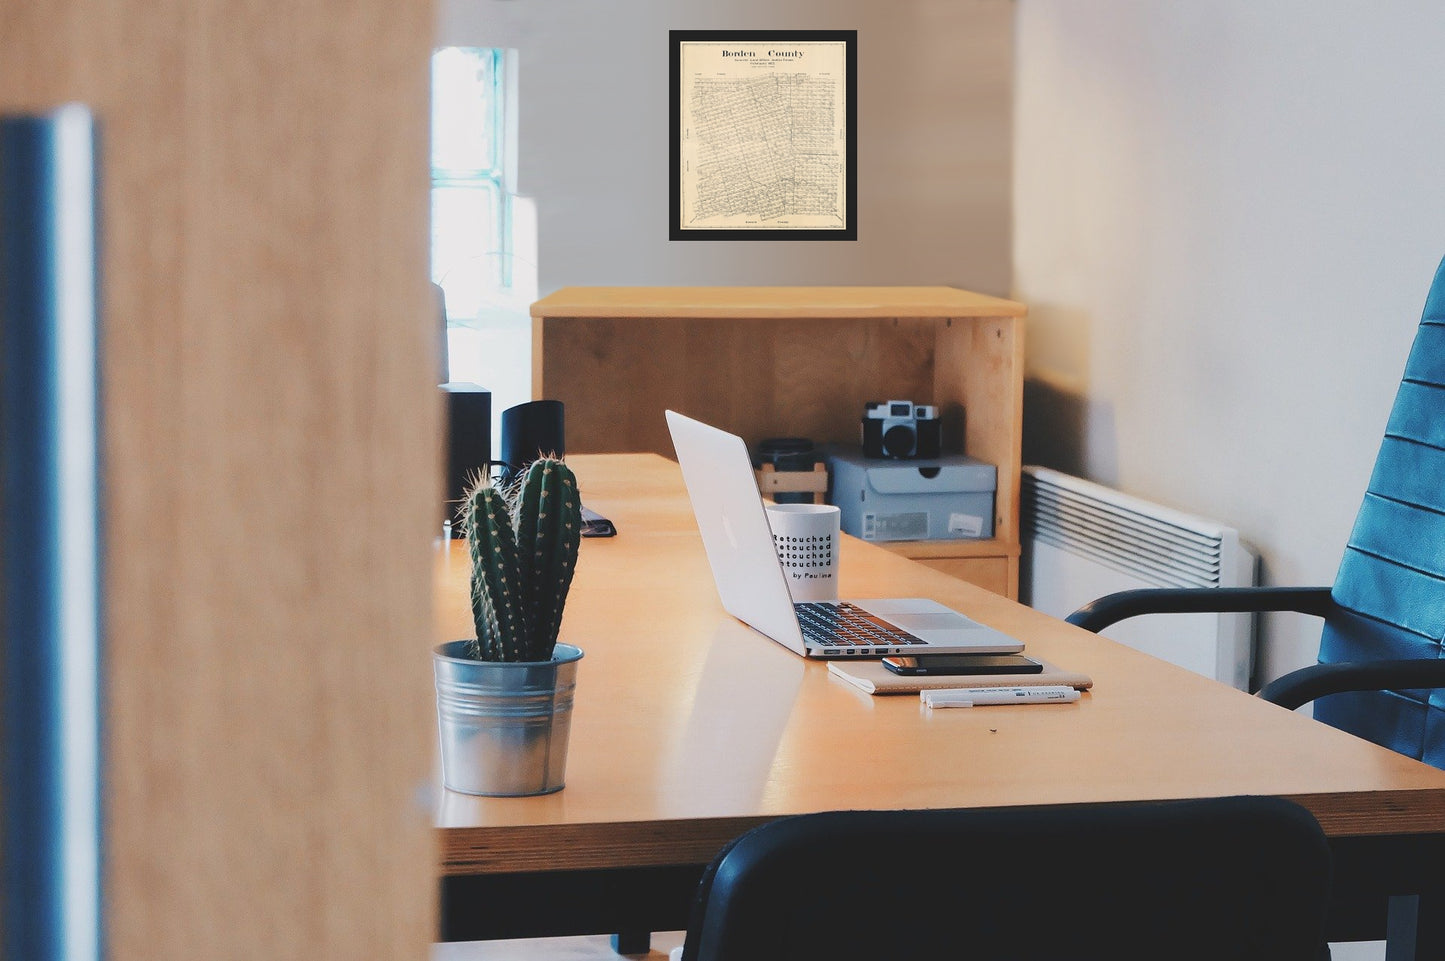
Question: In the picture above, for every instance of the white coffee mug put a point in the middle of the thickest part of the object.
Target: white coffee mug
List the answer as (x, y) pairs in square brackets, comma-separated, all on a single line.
[(806, 537)]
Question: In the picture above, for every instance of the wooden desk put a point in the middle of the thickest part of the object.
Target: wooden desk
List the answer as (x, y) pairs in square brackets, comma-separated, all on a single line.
[(690, 728)]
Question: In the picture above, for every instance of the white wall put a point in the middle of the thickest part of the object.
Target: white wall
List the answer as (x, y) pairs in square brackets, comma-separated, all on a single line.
[(1227, 216), (1224, 216), (933, 149)]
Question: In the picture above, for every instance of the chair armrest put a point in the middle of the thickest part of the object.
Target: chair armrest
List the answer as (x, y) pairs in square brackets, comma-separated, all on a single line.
[(1099, 614), (1304, 685)]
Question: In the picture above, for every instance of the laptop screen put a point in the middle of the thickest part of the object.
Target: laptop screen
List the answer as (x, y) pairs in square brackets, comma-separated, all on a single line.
[(734, 528)]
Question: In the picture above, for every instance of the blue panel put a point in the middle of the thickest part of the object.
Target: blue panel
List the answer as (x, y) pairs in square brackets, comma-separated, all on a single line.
[(1397, 595), (1391, 581), (1416, 415), (1434, 750), (1378, 532), (1353, 637), (49, 543), (1410, 472), (1427, 357), (1380, 716)]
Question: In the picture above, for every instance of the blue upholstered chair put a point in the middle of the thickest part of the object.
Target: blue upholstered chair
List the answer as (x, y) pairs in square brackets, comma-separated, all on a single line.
[(1381, 671)]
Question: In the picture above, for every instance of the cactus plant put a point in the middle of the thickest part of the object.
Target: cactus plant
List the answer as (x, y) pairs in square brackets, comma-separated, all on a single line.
[(523, 544)]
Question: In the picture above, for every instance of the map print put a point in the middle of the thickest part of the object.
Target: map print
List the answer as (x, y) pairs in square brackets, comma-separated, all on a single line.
[(766, 148), (763, 136)]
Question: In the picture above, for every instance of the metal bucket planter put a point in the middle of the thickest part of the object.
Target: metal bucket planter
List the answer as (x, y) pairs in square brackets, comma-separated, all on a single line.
[(504, 726)]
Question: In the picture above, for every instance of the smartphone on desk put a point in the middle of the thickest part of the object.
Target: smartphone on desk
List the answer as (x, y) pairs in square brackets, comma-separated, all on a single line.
[(595, 525), (936, 664)]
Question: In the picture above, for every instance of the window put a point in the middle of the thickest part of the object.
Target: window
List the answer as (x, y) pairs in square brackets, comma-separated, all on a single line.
[(468, 197), (483, 234)]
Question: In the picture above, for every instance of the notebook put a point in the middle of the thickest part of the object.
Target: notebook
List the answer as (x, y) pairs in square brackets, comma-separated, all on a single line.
[(753, 587)]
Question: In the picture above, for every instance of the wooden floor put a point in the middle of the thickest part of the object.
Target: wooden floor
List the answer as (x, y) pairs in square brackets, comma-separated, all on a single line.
[(552, 949)]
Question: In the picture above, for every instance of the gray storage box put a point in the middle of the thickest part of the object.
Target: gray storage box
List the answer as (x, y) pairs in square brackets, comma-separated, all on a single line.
[(947, 498)]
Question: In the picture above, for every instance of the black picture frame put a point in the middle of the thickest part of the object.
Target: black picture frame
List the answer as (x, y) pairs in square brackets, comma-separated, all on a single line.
[(848, 229)]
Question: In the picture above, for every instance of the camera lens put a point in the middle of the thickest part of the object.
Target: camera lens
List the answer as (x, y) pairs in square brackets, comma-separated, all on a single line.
[(899, 440)]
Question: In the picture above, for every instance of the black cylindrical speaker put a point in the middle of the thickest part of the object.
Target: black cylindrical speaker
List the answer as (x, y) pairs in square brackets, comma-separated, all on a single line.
[(469, 442), (530, 431)]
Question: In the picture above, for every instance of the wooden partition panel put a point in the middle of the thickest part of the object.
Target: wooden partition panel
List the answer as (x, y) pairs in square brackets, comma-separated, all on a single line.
[(271, 446), (806, 377), (982, 363)]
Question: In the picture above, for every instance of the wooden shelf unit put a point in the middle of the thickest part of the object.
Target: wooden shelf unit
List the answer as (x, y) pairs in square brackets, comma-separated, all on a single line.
[(795, 361)]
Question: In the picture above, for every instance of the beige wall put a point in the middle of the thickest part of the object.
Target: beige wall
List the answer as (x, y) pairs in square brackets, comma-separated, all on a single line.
[(1227, 216), (271, 477), (933, 139)]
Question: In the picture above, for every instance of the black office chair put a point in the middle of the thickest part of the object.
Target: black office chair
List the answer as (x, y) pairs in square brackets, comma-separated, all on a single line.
[(1381, 650), (1238, 878)]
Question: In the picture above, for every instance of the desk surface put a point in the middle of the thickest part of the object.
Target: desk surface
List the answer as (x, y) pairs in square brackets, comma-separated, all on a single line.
[(689, 727), (772, 302)]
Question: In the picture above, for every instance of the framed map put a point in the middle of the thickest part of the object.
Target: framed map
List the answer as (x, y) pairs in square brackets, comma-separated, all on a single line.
[(764, 140)]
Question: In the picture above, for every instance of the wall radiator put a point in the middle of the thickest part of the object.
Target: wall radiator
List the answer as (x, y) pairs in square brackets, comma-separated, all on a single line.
[(1082, 541)]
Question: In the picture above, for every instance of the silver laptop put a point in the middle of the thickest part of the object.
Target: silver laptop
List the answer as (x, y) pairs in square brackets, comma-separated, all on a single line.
[(754, 588)]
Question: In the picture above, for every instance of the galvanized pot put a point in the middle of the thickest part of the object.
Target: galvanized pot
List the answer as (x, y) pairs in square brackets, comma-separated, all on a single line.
[(504, 726)]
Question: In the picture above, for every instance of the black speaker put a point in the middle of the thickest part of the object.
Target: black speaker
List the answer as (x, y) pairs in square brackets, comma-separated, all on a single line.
[(469, 442), (530, 431)]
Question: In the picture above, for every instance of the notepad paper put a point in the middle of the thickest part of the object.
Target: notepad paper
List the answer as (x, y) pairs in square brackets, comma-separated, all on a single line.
[(873, 677)]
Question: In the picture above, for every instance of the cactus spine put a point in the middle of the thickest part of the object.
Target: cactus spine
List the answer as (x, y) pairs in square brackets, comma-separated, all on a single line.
[(523, 547)]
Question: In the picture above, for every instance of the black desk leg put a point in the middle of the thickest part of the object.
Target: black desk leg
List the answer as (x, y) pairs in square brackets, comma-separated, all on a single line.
[(632, 942), (1416, 928)]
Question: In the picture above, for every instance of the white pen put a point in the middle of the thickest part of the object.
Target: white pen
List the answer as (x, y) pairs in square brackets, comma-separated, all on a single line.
[(982, 696)]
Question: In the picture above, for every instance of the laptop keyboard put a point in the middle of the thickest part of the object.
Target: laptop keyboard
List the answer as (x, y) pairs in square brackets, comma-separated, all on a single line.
[(850, 629)]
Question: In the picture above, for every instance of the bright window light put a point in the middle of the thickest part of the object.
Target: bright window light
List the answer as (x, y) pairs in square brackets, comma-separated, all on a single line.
[(483, 250)]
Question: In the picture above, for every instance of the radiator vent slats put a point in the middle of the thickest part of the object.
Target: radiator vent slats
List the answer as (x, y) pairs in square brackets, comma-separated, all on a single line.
[(1161, 547), (1081, 541)]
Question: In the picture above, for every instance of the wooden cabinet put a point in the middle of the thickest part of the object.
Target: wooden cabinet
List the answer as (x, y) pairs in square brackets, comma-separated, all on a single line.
[(978, 562), (799, 361)]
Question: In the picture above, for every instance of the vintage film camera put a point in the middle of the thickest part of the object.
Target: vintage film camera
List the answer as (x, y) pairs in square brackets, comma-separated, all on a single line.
[(901, 429)]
